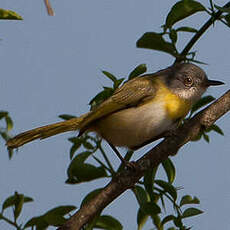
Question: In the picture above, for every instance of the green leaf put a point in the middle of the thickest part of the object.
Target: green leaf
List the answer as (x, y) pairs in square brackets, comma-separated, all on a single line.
[(54, 220), (110, 76), (189, 200), (100, 97), (149, 177), (181, 10), (215, 128), (87, 145), (8, 120), (178, 222), (191, 212), (223, 9), (66, 116), (108, 222), (3, 114), (140, 69), (150, 208), (18, 205), (74, 148), (55, 216), (79, 171), (90, 225), (157, 221), (61, 210), (141, 219), (162, 201), (75, 140), (211, 6), (9, 15), (4, 135), (167, 219), (117, 83), (27, 199), (173, 36), (186, 29), (140, 195), (79, 159), (9, 123), (87, 172), (12, 200), (227, 18), (206, 137), (39, 222), (169, 169), (167, 188), (202, 102), (70, 180), (155, 41), (10, 153), (90, 196)]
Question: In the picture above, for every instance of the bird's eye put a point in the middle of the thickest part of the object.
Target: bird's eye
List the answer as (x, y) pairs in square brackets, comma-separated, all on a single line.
[(188, 81)]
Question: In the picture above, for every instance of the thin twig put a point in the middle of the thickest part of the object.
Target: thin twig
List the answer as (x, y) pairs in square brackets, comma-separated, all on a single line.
[(9, 221), (174, 202), (201, 31), (49, 8), (102, 164), (127, 157), (106, 158)]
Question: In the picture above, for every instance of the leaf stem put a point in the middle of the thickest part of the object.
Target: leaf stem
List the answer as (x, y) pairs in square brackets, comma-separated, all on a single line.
[(106, 158), (9, 221), (202, 30), (102, 164), (174, 203), (127, 157)]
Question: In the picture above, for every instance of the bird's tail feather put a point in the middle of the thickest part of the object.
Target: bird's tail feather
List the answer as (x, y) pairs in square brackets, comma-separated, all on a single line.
[(45, 131)]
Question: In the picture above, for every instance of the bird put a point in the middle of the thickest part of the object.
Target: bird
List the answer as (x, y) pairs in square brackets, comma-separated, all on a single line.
[(139, 112)]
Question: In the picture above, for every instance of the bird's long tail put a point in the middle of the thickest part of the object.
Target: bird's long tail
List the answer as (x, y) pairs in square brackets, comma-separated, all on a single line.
[(45, 131)]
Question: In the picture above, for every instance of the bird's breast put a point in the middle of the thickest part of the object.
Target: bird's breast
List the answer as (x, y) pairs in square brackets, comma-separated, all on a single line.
[(175, 106), (137, 125)]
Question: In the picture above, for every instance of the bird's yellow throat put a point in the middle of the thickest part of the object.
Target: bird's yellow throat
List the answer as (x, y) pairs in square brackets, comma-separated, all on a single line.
[(175, 106)]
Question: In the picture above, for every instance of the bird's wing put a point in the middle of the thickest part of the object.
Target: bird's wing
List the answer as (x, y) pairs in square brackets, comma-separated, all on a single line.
[(132, 93)]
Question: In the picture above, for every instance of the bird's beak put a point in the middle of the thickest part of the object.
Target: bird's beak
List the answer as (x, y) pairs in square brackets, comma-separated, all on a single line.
[(213, 83)]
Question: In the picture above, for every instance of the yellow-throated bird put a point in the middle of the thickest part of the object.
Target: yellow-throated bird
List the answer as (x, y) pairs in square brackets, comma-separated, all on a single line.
[(138, 112)]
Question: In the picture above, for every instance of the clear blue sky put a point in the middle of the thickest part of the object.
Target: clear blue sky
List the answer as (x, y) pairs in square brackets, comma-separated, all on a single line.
[(52, 65)]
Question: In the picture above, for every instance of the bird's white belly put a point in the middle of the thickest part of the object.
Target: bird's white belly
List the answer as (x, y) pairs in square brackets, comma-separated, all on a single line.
[(134, 126)]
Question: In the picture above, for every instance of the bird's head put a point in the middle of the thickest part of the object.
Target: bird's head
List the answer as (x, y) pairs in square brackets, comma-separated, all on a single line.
[(188, 81)]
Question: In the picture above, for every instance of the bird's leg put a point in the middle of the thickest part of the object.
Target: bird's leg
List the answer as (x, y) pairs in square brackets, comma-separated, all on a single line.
[(130, 165), (117, 153)]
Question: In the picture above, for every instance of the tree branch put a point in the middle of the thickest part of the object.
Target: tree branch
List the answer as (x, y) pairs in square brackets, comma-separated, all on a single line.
[(199, 33), (49, 8), (169, 146)]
